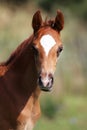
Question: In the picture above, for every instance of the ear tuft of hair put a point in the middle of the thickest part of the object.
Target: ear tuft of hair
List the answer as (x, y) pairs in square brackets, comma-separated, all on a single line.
[(59, 21), (37, 21)]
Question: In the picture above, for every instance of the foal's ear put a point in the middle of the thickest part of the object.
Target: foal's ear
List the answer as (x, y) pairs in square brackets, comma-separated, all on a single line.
[(36, 21), (59, 21)]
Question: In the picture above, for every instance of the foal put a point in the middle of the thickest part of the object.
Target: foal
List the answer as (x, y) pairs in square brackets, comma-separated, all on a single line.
[(29, 70)]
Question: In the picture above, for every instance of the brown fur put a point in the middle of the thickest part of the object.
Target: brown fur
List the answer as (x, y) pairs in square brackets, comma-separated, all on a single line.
[(19, 91)]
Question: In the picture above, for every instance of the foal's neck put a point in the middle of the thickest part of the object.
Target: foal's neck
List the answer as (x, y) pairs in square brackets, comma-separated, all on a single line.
[(22, 69), (19, 84)]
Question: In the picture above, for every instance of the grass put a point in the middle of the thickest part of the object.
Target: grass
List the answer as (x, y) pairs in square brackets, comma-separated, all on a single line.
[(14, 28), (71, 76), (72, 116)]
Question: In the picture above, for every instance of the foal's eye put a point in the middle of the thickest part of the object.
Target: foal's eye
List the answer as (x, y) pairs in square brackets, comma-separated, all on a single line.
[(59, 50), (35, 50)]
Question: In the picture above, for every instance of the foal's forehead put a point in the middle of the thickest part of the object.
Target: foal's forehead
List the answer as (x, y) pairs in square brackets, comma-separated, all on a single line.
[(47, 39), (47, 42)]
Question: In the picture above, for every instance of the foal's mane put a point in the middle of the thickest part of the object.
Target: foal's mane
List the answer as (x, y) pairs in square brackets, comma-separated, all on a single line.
[(17, 52), (24, 45), (49, 23)]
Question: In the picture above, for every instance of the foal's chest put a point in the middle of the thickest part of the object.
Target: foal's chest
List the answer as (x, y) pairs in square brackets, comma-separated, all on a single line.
[(29, 115)]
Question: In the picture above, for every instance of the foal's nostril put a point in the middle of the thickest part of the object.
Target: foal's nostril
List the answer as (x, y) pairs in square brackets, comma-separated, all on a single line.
[(50, 75), (52, 79), (39, 80)]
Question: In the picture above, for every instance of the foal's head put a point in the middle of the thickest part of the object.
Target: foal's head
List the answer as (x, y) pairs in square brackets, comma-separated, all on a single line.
[(47, 46)]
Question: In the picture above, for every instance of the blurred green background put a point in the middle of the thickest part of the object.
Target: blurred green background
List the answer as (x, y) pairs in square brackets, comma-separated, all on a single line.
[(65, 108)]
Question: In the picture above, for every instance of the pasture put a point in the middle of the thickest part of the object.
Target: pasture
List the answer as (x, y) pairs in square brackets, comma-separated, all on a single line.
[(70, 90), (71, 115)]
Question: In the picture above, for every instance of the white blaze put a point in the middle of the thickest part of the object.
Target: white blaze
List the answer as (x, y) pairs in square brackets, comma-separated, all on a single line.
[(47, 42)]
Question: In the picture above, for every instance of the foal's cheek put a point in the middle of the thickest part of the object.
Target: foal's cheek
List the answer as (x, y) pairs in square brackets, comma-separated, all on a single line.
[(38, 64), (56, 61)]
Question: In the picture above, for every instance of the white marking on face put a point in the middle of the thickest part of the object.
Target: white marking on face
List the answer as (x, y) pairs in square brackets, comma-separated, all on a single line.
[(47, 42)]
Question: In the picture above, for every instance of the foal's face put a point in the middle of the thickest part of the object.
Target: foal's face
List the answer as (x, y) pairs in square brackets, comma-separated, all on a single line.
[(47, 47)]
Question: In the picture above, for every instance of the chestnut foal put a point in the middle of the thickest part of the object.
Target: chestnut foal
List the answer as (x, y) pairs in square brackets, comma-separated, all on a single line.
[(29, 70)]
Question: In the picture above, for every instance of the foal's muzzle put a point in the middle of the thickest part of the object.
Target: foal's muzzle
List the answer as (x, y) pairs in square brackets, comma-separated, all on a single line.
[(46, 82)]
